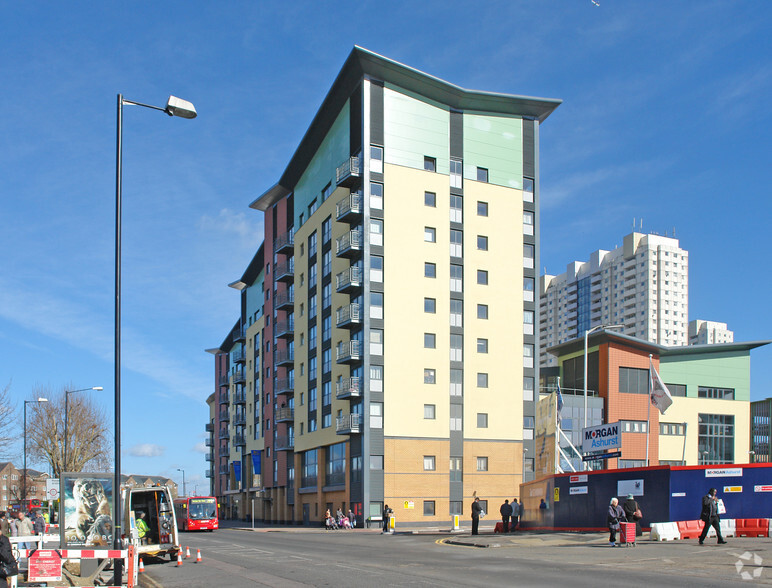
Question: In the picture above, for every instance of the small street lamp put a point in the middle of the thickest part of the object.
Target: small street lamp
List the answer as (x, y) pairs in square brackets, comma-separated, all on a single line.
[(24, 480), (66, 419)]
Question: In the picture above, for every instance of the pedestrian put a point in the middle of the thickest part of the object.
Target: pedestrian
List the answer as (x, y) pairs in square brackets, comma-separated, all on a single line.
[(506, 514), (352, 518), (5, 528), (633, 513), (38, 523), (711, 517), (517, 512), (476, 511), (8, 565), (386, 516), (615, 514), (25, 528), (13, 523)]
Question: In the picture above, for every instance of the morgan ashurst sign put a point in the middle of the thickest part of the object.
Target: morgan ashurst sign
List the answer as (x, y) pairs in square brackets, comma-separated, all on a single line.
[(601, 438)]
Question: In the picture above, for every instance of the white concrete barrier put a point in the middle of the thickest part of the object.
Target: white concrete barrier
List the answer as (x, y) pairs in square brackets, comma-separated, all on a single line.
[(664, 532), (728, 528)]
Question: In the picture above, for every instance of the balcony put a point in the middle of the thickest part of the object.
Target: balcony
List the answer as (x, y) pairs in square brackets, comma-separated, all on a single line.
[(350, 244), (348, 388), (284, 357), (349, 352), (208, 473), (225, 452), (284, 443), (239, 333), (284, 272), (348, 317), (239, 356), (348, 424), (350, 208), (240, 397), (284, 300), (284, 329), (224, 470), (208, 457), (349, 280), (284, 386), (223, 434), (284, 415), (284, 243), (209, 428), (224, 397), (238, 376), (349, 172), (209, 442), (225, 415), (240, 419), (223, 380), (239, 441)]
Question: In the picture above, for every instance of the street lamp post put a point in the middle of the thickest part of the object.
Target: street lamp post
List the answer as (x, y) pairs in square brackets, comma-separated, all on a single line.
[(184, 490), (24, 478), (66, 419), (174, 107)]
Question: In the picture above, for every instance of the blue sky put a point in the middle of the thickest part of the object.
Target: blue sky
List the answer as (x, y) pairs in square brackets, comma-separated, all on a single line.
[(665, 119)]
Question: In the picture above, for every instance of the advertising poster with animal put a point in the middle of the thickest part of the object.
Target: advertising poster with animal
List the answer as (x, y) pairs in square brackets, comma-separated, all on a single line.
[(87, 510)]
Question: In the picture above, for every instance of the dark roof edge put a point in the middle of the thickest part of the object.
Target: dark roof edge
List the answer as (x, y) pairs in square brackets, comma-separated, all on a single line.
[(361, 62)]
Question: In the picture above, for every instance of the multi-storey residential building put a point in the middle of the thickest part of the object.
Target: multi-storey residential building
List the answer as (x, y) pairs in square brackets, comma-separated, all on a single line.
[(390, 326), (709, 332), (761, 431), (641, 286)]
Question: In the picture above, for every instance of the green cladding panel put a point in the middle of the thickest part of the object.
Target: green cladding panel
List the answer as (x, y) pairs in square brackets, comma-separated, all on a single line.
[(414, 128), (332, 152), (713, 370), (494, 142)]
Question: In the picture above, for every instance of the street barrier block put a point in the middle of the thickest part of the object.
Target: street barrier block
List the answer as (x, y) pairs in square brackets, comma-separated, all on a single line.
[(664, 532), (728, 528), (690, 529)]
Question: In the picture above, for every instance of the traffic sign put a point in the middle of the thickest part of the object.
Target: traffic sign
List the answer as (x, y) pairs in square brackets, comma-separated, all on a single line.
[(602, 456), (52, 488)]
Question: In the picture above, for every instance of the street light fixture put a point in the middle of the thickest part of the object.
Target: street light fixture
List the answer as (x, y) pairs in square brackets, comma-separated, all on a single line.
[(67, 416), (586, 336), (174, 107), (184, 490), (24, 479)]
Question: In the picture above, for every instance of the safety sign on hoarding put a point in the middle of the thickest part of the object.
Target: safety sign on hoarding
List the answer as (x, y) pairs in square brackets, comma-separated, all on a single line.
[(762, 488), (45, 566)]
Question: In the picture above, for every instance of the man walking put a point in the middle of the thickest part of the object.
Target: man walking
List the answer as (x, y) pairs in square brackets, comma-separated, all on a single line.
[(710, 516), (476, 509), (506, 513), (517, 512)]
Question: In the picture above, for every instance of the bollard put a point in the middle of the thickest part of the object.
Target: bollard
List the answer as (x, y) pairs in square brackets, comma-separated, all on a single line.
[(456, 522)]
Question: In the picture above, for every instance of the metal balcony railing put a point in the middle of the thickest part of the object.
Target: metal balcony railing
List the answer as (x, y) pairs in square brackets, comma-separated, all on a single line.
[(284, 299), (349, 208), (284, 414), (349, 351), (238, 376), (225, 415), (348, 316), (209, 428), (348, 423), (239, 356), (284, 242), (348, 388), (284, 357), (239, 441), (284, 272), (284, 443), (349, 171), (350, 244), (240, 397), (240, 419), (223, 434), (348, 280), (284, 328), (284, 386)]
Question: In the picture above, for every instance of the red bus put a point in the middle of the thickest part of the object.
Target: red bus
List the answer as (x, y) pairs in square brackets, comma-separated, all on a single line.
[(196, 513)]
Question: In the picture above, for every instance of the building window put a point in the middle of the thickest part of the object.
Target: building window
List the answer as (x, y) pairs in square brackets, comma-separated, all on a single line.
[(456, 278), (482, 243), (482, 311), (376, 462), (482, 420), (716, 438), (430, 412), (430, 164), (528, 318), (482, 208), (430, 376), (528, 255), (456, 243), (456, 313), (528, 355), (456, 382), (676, 429), (456, 208), (376, 268), (430, 199), (430, 305), (633, 426), (482, 175), (456, 417), (376, 378), (631, 463), (376, 232), (456, 347), (456, 469), (312, 244), (376, 195), (430, 270), (482, 346), (633, 380), (376, 341), (336, 465), (326, 226), (724, 393), (482, 464), (482, 380), (376, 159), (429, 463), (430, 341), (482, 277), (430, 234), (527, 223), (428, 508), (455, 507), (376, 415), (456, 172), (376, 305), (529, 285), (310, 463), (677, 389), (312, 207), (527, 189)]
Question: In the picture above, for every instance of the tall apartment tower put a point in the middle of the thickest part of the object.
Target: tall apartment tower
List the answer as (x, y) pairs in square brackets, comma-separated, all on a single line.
[(709, 333), (393, 353), (642, 285)]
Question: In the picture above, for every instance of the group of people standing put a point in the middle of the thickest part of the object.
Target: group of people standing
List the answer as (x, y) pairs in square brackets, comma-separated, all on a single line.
[(16, 525), (629, 512), (510, 515), (339, 521)]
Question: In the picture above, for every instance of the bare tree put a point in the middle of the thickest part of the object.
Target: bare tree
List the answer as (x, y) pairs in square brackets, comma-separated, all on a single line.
[(9, 423), (88, 445)]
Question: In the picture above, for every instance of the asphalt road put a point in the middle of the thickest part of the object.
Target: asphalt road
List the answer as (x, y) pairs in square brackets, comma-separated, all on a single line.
[(295, 557)]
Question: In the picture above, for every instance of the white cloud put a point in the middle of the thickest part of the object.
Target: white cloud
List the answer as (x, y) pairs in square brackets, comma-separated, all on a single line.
[(231, 223), (200, 448), (147, 450)]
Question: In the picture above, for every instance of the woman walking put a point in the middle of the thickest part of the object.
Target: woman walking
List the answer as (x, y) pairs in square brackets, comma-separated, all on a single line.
[(615, 514)]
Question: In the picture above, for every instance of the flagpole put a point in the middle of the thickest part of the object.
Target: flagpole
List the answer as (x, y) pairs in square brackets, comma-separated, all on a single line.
[(648, 408), (557, 430)]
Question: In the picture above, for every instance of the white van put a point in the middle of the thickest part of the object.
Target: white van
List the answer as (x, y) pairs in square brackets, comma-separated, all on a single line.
[(157, 505)]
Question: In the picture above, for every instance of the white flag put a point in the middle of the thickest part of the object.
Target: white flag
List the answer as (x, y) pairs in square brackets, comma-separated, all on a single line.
[(660, 395)]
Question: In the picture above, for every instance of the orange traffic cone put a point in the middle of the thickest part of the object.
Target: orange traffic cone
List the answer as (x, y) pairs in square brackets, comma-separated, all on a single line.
[(179, 558), (198, 556), (187, 552), (141, 566)]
